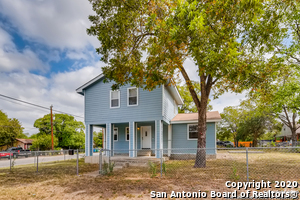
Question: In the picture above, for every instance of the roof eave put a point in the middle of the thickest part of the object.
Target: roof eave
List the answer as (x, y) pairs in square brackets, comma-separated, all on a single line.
[(193, 121), (175, 94), (81, 88)]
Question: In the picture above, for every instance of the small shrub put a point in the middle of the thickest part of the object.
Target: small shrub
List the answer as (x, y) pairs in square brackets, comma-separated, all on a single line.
[(234, 175), (104, 168), (152, 168), (111, 167)]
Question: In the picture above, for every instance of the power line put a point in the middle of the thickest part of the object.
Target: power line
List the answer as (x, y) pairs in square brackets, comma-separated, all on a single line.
[(36, 105)]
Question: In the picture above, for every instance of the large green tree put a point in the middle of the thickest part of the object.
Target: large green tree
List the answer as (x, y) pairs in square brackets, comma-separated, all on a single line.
[(10, 129), (231, 118), (97, 136), (279, 30), (145, 43), (68, 131)]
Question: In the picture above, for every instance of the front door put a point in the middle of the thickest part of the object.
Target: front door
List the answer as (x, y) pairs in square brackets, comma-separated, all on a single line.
[(146, 137)]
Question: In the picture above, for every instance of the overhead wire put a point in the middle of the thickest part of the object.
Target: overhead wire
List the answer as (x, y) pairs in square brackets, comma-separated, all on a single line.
[(36, 105)]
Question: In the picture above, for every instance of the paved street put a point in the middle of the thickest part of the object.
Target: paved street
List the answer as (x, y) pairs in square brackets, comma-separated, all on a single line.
[(31, 160)]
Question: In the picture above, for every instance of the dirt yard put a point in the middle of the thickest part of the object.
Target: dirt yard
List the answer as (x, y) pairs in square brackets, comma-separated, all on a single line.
[(59, 181)]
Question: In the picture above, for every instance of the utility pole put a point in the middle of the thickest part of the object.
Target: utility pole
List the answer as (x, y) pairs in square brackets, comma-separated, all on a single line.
[(52, 146)]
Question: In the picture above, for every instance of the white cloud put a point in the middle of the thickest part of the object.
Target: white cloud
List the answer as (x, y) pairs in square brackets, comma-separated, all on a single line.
[(11, 59), (58, 24), (58, 90)]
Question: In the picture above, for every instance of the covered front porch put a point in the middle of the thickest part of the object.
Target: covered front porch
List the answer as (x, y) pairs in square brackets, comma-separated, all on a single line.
[(131, 139)]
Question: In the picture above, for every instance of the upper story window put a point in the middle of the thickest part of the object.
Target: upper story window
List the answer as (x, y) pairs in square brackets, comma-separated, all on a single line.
[(132, 95), (192, 131), (115, 99)]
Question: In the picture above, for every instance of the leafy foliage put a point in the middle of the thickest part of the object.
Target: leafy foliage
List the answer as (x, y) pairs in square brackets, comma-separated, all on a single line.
[(68, 131), (42, 142), (10, 129), (97, 137), (279, 30), (229, 124), (248, 122)]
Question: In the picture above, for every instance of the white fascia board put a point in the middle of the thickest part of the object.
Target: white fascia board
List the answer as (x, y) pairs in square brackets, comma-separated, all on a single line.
[(81, 88), (194, 121), (175, 94)]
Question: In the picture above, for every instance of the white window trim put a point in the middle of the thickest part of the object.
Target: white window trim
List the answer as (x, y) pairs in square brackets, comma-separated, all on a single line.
[(114, 134), (137, 96), (111, 99), (126, 133), (188, 132)]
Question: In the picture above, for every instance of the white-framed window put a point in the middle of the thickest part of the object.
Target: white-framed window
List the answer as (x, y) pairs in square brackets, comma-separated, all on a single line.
[(127, 134), (115, 99), (192, 131), (116, 133), (132, 96)]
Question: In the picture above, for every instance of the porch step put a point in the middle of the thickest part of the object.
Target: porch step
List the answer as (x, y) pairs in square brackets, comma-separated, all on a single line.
[(144, 152), (141, 161)]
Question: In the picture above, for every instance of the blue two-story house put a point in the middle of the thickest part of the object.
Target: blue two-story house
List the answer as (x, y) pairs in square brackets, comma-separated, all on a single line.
[(136, 119)]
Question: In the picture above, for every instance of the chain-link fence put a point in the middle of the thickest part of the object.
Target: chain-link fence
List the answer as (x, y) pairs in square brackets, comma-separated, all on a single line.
[(235, 164), (41, 160)]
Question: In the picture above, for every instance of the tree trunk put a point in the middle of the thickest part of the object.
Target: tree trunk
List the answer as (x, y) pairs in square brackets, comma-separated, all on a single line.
[(206, 83), (236, 143), (254, 142), (200, 161), (294, 136)]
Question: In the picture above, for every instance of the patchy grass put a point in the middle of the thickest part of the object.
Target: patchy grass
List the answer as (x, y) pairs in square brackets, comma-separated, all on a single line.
[(58, 180)]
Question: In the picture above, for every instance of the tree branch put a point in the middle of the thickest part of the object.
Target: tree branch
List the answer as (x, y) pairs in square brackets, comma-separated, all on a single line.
[(191, 88)]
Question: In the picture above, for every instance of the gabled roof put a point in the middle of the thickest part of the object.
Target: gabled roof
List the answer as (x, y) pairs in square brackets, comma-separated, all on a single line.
[(173, 89), (213, 116), (87, 84), (25, 141)]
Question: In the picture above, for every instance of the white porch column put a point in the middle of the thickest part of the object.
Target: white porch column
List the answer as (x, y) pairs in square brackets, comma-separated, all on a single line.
[(104, 138), (108, 138), (132, 147), (158, 138), (89, 140), (169, 139)]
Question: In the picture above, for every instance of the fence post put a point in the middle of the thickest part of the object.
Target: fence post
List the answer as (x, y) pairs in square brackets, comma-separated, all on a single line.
[(247, 164), (34, 158), (161, 161), (100, 161), (10, 160), (109, 152), (77, 164), (37, 161)]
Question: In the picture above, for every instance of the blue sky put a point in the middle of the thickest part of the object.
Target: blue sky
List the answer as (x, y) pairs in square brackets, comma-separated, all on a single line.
[(45, 54)]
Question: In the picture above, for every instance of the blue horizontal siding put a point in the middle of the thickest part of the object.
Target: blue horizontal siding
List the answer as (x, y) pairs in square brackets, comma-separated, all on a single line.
[(98, 111), (180, 135)]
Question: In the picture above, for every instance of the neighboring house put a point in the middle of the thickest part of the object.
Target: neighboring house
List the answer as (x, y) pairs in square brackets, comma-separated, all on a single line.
[(24, 143), (135, 119), (286, 133)]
